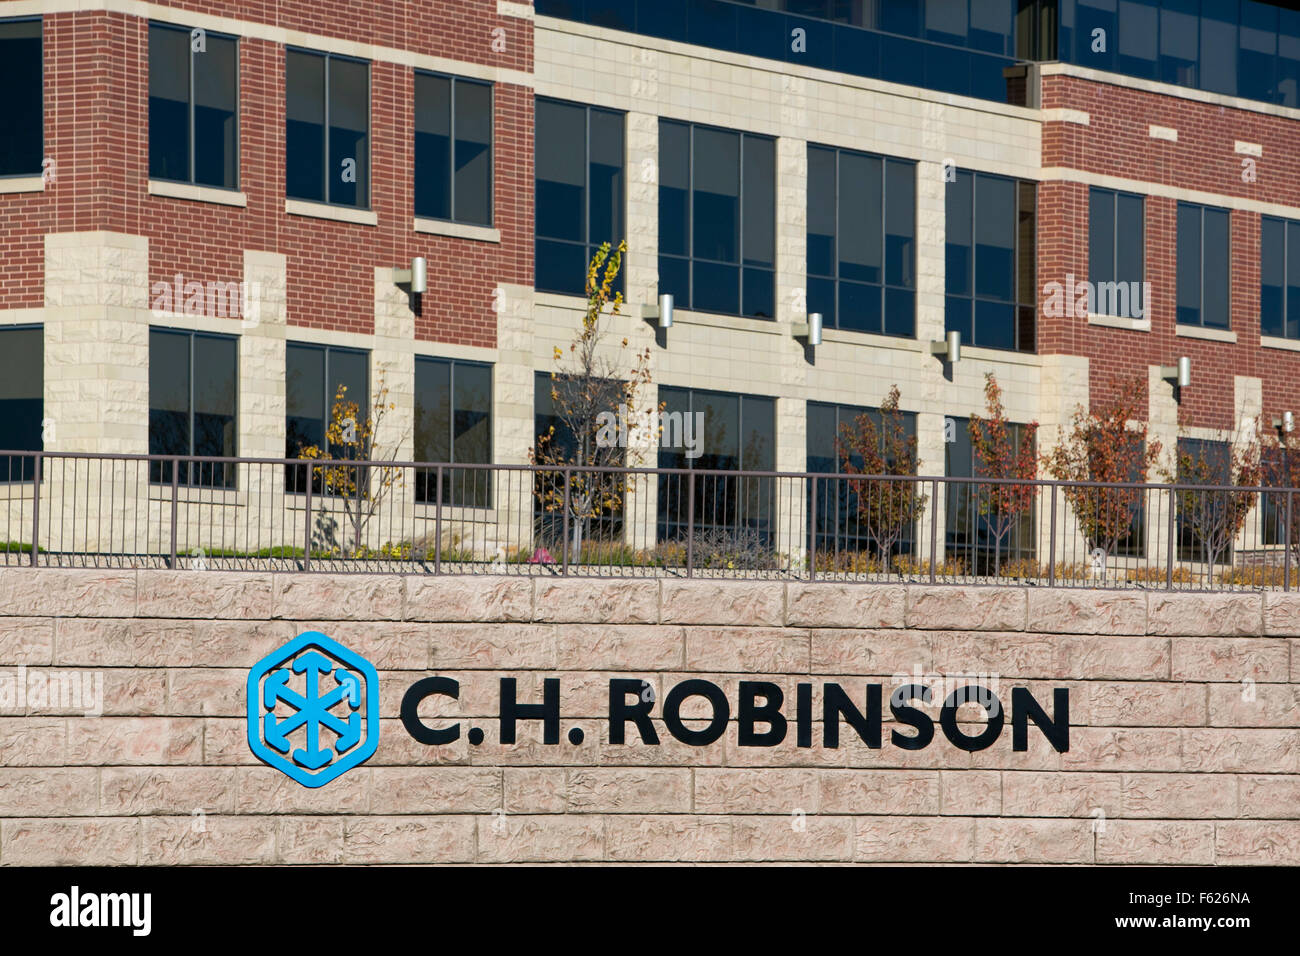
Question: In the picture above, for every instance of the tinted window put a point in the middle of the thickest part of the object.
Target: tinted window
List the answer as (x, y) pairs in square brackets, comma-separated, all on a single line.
[(1204, 253), (327, 128), (193, 395), (453, 423), (21, 116), (1115, 251), (861, 241), (717, 219), (453, 149), (313, 377), (990, 242), (1279, 278), (22, 398), (579, 191), (193, 107)]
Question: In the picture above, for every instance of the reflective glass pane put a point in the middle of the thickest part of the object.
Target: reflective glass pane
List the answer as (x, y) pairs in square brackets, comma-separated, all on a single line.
[(860, 218), (473, 153), (1219, 46), (821, 212), (959, 196), (305, 126), (305, 397), (22, 386), (674, 188), (349, 119), (433, 411), (759, 176), (995, 237), (433, 149), (1129, 238), (1189, 264), (169, 103), (1216, 263), (900, 223), (169, 393), (22, 146), (607, 164), (1101, 235), (716, 200), (1292, 330), (216, 111), (1272, 276)]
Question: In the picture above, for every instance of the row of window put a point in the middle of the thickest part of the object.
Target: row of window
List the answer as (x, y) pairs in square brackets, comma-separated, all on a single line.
[(717, 199)]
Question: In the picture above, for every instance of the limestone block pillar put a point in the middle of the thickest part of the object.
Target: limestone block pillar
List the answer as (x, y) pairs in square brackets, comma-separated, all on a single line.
[(1248, 409), (791, 495), (96, 390), (934, 382), (1063, 389), (512, 422), (641, 272), (262, 405), (1163, 427), (393, 365)]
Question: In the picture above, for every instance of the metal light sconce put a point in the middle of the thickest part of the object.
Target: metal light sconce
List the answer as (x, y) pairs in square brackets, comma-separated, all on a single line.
[(1286, 423), (661, 314), (810, 331), (1180, 374), (417, 277), (948, 348)]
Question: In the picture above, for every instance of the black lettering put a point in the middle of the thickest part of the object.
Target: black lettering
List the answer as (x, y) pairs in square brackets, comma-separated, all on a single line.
[(912, 717), (948, 717), (414, 696), (548, 711), (696, 688), (1056, 729), (836, 704), (748, 714), (803, 715), (639, 713)]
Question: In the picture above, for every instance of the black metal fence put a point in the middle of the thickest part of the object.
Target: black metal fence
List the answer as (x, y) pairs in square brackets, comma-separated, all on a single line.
[(142, 511)]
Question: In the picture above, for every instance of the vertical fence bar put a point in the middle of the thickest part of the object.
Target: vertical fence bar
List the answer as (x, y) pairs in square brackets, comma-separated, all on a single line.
[(437, 523), (176, 477), (306, 524), (812, 544), (690, 525), (564, 545), (36, 509), (1286, 546), (1169, 549), (1051, 546), (934, 527)]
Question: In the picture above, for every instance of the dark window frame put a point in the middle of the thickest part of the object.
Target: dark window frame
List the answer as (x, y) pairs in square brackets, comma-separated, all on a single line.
[(188, 31), (38, 171), (295, 473), (26, 467), (690, 258), (1201, 210), (426, 478), (158, 472), (1287, 226), (1019, 309), (587, 244), (884, 283), (327, 57), (1114, 197), (451, 146)]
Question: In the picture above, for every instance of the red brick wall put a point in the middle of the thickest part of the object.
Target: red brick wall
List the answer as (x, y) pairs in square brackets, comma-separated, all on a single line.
[(96, 100), (1118, 143)]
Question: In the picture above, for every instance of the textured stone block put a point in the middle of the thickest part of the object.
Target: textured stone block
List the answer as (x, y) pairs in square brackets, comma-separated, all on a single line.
[(212, 841), (514, 838), (131, 791), (48, 792), (26, 641), (629, 790), (109, 642), (1230, 659), (1033, 841), (845, 605), (668, 839), (625, 648), (90, 841), (134, 740), (1171, 842), (1272, 796), (345, 597), (506, 647), (469, 598), (1079, 611), (966, 608), (1170, 795), (230, 595), (752, 650), (812, 837), (409, 839), (588, 600), (1207, 615), (914, 839), (737, 603), (1258, 843), (67, 592), (970, 793), (402, 790), (1038, 794)]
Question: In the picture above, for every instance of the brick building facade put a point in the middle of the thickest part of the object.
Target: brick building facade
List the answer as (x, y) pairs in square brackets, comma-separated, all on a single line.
[(90, 235)]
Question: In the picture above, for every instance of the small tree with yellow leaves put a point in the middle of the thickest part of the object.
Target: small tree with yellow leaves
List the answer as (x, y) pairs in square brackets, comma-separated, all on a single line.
[(356, 475), (589, 389)]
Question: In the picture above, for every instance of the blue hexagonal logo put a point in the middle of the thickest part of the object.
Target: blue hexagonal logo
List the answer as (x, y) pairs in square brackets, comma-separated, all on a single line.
[(313, 709)]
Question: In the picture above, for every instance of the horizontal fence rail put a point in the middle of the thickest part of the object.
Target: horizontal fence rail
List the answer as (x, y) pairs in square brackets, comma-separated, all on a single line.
[(71, 510)]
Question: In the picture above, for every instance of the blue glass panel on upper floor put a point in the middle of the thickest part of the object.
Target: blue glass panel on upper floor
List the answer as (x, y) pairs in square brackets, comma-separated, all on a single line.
[(1244, 48), (952, 46)]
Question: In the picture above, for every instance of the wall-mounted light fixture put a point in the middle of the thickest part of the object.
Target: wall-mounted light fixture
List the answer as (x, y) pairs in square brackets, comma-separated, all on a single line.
[(1181, 373), (810, 331), (1286, 423), (949, 347), (661, 314), (417, 277)]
